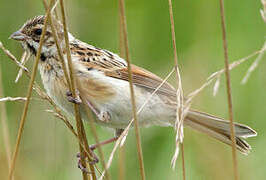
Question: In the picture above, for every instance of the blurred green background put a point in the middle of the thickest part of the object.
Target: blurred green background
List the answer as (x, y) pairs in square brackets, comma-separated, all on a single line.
[(48, 149)]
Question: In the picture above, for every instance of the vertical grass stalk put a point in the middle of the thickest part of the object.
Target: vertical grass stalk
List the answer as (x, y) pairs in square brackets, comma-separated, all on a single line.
[(5, 125), (26, 106), (133, 102), (179, 93), (229, 93), (121, 152)]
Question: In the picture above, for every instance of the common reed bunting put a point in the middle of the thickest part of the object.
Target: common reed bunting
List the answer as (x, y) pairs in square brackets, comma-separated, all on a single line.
[(102, 83)]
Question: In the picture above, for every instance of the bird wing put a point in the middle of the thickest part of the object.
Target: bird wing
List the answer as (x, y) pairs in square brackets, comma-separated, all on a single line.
[(114, 66)]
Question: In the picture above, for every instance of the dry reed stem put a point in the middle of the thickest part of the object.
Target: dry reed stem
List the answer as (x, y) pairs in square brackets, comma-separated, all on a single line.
[(63, 118), (217, 74), (132, 94), (263, 11), (25, 110), (79, 123), (216, 86), (121, 152), (121, 161), (256, 62), (25, 57), (183, 160), (60, 54), (5, 99), (254, 65), (5, 126), (97, 141), (229, 92), (179, 97), (12, 57)]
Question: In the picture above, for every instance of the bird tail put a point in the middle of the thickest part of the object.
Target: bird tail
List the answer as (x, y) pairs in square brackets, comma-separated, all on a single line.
[(220, 129)]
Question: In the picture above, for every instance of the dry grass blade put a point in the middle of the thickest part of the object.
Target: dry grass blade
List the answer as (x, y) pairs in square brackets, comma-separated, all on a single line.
[(216, 86), (25, 57), (229, 92), (263, 11), (133, 102), (4, 123), (254, 64), (216, 75), (25, 110), (12, 57), (64, 119), (5, 99), (94, 132), (121, 153)]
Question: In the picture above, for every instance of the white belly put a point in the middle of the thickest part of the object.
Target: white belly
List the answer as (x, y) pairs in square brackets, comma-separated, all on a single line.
[(156, 112)]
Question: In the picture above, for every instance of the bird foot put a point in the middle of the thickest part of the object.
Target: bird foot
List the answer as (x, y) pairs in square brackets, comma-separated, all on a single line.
[(95, 159), (72, 99)]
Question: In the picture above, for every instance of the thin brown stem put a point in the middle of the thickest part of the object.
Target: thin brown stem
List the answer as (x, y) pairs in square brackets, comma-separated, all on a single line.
[(80, 127), (60, 53), (96, 138), (121, 152), (229, 93), (5, 125), (25, 110), (179, 92), (183, 160), (133, 102)]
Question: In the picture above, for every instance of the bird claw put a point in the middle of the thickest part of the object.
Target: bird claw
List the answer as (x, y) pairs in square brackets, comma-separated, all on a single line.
[(72, 99), (80, 166), (95, 160)]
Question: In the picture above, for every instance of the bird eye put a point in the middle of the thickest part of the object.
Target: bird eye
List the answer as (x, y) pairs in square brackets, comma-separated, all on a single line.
[(38, 32)]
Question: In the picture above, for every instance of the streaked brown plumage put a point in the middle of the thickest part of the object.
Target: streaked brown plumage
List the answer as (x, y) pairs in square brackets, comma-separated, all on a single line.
[(102, 79)]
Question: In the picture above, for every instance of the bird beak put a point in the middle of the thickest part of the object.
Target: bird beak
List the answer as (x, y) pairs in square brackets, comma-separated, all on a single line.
[(18, 36)]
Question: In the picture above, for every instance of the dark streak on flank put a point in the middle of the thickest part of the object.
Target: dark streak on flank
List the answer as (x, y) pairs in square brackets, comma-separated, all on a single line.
[(81, 53), (89, 54)]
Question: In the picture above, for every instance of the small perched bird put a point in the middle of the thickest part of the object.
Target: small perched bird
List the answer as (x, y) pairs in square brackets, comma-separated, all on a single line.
[(102, 83)]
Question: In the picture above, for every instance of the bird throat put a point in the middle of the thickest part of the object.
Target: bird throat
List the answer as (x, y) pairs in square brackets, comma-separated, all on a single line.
[(33, 51)]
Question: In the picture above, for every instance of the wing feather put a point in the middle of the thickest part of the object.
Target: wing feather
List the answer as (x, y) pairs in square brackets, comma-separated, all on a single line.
[(114, 66)]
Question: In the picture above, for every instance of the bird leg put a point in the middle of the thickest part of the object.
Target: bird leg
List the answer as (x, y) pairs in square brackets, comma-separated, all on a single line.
[(95, 160), (102, 115), (118, 132), (72, 99)]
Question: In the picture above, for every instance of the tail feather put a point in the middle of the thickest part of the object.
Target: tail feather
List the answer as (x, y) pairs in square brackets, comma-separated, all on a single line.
[(220, 129)]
